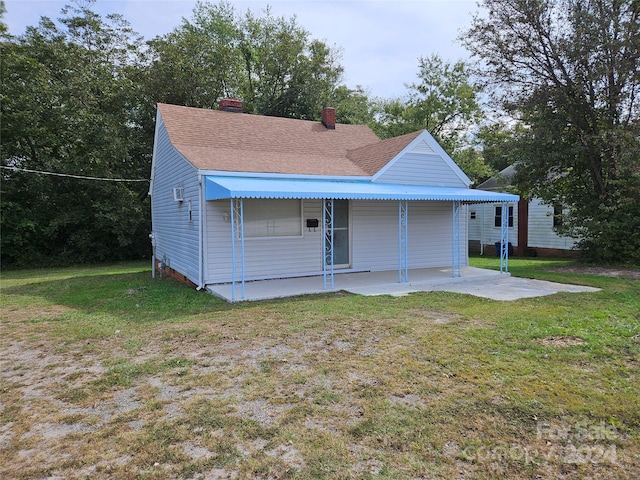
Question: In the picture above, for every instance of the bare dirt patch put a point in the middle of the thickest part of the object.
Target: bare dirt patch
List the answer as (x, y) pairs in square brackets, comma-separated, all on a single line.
[(561, 341), (624, 273), (35, 312), (167, 397)]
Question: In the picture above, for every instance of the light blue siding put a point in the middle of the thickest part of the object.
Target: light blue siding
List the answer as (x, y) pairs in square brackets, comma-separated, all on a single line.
[(423, 162), (374, 234), (421, 169), (176, 233), (475, 224), (264, 257)]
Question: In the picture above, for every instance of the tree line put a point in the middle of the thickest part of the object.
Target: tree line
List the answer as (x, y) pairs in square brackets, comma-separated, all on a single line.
[(78, 103)]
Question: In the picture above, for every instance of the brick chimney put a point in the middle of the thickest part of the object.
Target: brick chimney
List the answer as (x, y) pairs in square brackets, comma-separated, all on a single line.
[(329, 118), (231, 105)]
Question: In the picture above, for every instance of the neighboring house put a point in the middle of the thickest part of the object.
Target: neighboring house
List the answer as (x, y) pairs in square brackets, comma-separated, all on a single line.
[(238, 197), (532, 224)]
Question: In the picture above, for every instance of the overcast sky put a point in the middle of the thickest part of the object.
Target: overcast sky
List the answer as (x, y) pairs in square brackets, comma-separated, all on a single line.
[(380, 40)]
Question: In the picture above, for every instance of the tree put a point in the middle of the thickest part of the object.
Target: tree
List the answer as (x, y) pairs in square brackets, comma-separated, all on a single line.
[(67, 101), (198, 62), (353, 106), (498, 142), (568, 71), (444, 102), (3, 26), (286, 74), (270, 63)]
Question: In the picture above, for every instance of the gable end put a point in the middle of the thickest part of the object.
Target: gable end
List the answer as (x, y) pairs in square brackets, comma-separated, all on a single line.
[(423, 162)]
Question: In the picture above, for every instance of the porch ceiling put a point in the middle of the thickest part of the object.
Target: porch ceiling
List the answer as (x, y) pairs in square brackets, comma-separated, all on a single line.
[(223, 187)]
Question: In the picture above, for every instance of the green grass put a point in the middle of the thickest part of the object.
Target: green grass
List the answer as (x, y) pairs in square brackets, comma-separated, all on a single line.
[(107, 373)]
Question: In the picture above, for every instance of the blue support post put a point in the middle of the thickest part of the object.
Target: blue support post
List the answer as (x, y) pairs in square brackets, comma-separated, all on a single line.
[(455, 239), (327, 246), (403, 241), (237, 233), (241, 215), (232, 212), (504, 238)]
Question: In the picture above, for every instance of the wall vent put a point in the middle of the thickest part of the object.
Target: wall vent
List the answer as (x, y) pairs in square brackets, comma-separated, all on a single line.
[(178, 194), (423, 147)]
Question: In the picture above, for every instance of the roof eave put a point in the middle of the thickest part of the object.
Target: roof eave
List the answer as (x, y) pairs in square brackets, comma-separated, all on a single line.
[(291, 176)]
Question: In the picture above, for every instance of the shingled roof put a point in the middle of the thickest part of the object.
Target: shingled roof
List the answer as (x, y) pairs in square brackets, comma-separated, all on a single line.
[(501, 181), (237, 142)]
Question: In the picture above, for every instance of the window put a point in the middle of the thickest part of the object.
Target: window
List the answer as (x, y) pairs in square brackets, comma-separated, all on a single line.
[(498, 218), (557, 215), (178, 194), (272, 218)]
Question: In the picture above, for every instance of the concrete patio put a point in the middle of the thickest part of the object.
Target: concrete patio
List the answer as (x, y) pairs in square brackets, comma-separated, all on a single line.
[(474, 281)]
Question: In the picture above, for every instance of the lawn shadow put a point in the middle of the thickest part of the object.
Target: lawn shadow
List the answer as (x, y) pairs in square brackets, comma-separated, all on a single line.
[(133, 295)]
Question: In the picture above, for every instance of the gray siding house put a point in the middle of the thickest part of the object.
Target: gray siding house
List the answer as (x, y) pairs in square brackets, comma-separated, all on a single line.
[(238, 197)]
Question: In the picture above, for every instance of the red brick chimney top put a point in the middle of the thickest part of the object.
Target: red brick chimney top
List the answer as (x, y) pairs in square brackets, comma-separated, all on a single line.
[(231, 105), (329, 118)]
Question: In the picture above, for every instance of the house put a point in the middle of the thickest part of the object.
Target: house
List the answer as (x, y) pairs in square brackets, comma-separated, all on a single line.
[(532, 224), (238, 198)]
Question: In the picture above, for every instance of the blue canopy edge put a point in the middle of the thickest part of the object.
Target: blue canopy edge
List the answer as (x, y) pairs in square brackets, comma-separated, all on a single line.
[(221, 187)]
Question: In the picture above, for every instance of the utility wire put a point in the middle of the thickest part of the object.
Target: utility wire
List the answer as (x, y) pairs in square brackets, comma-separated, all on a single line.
[(82, 177)]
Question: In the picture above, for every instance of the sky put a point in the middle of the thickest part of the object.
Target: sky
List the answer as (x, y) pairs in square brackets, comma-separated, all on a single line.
[(381, 41)]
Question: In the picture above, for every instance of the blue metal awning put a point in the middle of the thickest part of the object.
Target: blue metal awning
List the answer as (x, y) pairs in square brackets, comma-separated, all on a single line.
[(219, 187)]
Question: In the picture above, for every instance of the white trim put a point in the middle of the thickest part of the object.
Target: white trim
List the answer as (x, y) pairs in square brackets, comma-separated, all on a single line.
[(201, 225), (154, 154)]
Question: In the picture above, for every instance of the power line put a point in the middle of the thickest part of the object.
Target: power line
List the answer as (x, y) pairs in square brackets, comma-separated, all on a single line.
[(82, 177)]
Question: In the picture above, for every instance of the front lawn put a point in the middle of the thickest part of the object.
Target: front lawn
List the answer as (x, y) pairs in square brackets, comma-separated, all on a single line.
[(107, 373)]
